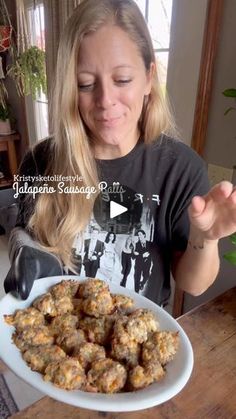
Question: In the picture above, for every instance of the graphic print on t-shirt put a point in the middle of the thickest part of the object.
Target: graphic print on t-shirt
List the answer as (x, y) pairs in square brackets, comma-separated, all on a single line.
[(119, 249), (165, 169)]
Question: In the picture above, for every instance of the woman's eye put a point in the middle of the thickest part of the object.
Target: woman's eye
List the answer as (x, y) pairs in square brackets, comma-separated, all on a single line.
[(86, 87), (123, 81)]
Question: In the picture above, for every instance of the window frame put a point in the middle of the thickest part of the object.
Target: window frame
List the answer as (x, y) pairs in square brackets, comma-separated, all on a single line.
[(33, 115)]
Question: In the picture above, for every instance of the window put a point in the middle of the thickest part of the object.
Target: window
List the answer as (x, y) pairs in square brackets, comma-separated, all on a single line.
[(158, 17), (38, 120)]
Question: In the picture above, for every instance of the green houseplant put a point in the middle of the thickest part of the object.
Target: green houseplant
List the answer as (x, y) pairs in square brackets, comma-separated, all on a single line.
[(27, 67), (231, 256), (4, 112), (3, 94), (229, 93), (5, 43), (5, 126), (29, 73)]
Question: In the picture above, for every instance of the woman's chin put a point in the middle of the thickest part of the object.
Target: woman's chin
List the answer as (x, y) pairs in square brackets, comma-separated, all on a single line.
[(110, 141)]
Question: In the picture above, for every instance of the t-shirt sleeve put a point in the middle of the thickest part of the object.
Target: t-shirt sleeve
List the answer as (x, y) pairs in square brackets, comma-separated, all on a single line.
[(193, 181)]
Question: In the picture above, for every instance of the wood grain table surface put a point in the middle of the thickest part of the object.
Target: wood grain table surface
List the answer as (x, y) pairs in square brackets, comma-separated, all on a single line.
[(211, 390)]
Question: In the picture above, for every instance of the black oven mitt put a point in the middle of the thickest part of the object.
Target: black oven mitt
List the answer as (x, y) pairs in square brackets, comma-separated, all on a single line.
[(28, 262)]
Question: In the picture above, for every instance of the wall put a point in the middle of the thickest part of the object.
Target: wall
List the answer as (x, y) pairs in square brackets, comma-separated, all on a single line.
[(221, 133), (220, 146), (221, 136), (187, 29), (186, 42)]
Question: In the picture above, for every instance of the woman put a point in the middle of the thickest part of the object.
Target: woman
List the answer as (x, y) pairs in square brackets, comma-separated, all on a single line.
[(108, 258), (126, 259), (111, 123)]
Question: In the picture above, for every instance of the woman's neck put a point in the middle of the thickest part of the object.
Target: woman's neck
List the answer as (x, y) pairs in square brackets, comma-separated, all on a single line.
[(103, 151)]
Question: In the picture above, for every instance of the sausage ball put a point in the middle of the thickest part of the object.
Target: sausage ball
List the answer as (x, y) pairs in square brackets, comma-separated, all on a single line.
[(35, 336), (53, 307), (98, 304), (70, 338), (46, 304), (65, 321), (21, 319), (122, 302), (139, 321), (88, 352), (143, 376), (160, 346), (92, 286), (68, 374), (98, 330), (64, 288), (106, 376), (38, 357), (128, 352)]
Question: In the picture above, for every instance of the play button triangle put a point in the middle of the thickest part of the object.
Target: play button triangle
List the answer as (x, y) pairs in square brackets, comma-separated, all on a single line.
[(116, 209)]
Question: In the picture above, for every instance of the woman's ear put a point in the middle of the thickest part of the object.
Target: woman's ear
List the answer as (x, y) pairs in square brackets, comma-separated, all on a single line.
[(150, 74)]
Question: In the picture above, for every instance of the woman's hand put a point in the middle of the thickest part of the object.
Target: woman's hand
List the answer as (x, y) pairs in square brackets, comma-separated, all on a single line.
[(214, 215)]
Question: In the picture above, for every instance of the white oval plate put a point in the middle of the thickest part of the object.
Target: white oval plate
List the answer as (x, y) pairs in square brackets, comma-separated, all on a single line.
[(177, 374)]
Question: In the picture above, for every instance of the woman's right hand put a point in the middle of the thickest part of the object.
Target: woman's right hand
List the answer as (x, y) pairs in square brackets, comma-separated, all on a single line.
[(30, 264)]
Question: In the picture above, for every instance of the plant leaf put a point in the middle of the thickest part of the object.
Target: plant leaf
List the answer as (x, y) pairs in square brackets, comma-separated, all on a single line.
[(228, 110), (231, 257), (229, 92), (233, 238)]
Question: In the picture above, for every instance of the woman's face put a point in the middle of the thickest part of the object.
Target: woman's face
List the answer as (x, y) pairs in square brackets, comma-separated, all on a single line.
[(111, 238), (112, 82)]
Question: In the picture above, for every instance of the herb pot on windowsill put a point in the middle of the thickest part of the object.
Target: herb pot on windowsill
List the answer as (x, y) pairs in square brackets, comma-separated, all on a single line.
[(5, 127)]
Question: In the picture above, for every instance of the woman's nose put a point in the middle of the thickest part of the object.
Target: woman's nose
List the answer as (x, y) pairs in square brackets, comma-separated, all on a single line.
[(105, 95)]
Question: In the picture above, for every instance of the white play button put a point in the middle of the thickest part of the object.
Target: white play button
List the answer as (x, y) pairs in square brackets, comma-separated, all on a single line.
[(116, 209)]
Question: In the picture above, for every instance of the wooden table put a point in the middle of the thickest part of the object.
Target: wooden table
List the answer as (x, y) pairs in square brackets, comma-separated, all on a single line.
[(7, 143), (211, 390)]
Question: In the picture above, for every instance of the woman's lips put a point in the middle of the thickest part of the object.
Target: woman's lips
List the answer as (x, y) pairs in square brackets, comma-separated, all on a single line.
[(109, 122)]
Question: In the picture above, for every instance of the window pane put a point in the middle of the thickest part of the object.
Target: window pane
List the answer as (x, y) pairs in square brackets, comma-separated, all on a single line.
[(162, 65), (36, 26), (37, 37), (159, 19), (41, 119)]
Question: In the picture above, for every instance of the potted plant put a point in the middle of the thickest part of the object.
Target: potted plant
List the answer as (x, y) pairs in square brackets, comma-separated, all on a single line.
[(5, 27), (229, 93), (5, 37), (3, 93), (27, 68), (5, 125), (231, 256), (5, 43), (29, 72)]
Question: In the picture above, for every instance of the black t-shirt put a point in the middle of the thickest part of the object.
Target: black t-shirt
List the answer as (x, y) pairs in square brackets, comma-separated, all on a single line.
[(164, 176)]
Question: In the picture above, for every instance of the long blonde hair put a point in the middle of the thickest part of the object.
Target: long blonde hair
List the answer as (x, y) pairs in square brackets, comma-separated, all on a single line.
[(58, 217)]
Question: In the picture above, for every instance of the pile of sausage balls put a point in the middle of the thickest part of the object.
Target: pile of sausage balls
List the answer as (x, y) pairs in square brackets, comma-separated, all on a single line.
[(81, 336)]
